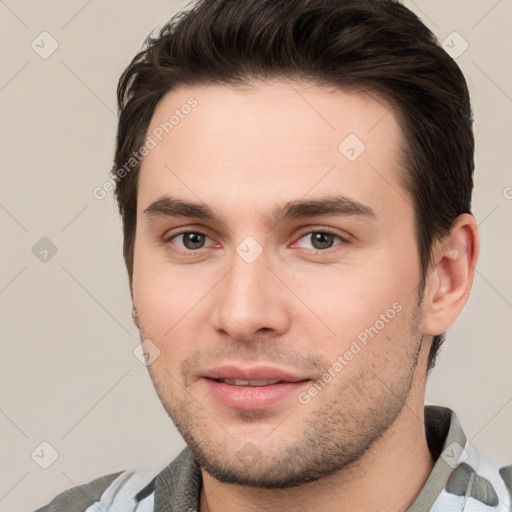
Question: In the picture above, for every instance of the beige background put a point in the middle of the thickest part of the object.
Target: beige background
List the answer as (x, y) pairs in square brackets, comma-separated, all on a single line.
[(68, 375)]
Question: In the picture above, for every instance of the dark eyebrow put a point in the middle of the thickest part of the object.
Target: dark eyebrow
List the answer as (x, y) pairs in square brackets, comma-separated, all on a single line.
[(172, 207), (331, 205)]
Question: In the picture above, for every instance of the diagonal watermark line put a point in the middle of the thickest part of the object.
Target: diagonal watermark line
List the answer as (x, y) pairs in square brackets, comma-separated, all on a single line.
[(396, 395), (493, 287), (391, 185), (74, 218), (378, 121), (416, 287), (198, 301), (91, 498), (211, 491), (486, 14), (11, 489), (97, 402), (492, 81), (307, 192), (503, 407), (301, 301), (279, 424), (488, 215), (13, 13), (13, 279), (78, 77), (479, 273), (297, 502), (13, 218), (95, 300), (190, 189), (193, 192), (381, 103), (310, 105), (14, 76), (317, 182), (424, 13), (15, 424), (198, 402), (76, 14)]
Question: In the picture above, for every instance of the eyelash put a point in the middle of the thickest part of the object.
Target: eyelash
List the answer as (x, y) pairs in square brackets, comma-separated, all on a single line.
[(343, 241)]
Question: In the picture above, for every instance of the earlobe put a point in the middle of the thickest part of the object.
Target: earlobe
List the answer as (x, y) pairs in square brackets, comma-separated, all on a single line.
[(451, 277)]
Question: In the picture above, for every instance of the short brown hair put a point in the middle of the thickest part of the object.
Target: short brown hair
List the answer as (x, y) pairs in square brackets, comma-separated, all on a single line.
[(372, 45)]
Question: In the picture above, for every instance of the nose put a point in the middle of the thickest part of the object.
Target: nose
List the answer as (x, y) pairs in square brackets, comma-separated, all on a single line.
[(250, 301)]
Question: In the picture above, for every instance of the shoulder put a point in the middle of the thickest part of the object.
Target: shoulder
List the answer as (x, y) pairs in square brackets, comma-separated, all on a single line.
[(78, 498), (506, 475), (483, 480), (130, 489)]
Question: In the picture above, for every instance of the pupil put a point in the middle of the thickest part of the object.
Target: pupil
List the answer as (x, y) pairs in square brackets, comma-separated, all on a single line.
[(193, 240), (322, 240)]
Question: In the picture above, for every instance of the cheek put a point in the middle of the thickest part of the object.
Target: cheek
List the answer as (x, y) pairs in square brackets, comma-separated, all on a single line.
[(159, 312), (150, 297), (169, 302), (153, 297), (357, 301)]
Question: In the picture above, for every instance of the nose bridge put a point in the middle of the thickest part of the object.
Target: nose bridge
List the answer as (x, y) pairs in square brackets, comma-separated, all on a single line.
[(246, 301), (247, 280)]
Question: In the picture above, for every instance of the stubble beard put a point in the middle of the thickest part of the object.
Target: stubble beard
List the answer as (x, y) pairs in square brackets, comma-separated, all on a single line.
[(335, 434)]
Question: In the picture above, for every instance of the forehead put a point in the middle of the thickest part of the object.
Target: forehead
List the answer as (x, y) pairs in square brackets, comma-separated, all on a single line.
[(283, 138)]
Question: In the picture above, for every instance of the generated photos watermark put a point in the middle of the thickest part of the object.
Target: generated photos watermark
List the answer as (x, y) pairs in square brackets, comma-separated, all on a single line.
[(156, 136), (305, 397)]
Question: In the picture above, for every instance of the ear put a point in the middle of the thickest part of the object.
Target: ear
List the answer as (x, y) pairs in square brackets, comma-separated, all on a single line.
[(451, 275)]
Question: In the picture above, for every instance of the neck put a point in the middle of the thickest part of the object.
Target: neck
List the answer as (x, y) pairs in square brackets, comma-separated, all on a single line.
[(387, 477), (394, 468)]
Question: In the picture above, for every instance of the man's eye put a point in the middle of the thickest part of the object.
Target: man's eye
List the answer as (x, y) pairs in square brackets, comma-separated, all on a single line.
[(189, 240), (319, 240)]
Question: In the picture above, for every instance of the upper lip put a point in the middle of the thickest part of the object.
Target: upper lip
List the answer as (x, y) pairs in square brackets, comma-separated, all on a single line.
[(239, 372)]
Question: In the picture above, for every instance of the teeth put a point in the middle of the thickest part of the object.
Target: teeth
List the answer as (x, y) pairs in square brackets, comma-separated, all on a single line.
[(241, 382)]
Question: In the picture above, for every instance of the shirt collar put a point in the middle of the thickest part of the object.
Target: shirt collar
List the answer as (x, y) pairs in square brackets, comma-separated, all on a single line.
[(178, 486)]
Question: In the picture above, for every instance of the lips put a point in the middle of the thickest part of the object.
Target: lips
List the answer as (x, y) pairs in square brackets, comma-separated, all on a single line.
[(252, 374), (252, 388), (254, 383)]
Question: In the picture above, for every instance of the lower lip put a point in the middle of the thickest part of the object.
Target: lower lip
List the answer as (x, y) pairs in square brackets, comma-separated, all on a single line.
[(253, 398)]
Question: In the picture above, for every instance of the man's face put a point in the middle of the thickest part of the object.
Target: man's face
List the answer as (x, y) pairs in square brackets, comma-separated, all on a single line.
[(299, 275)]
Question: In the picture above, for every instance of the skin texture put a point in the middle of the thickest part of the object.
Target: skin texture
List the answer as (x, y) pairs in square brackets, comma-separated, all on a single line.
[(245, 152)]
